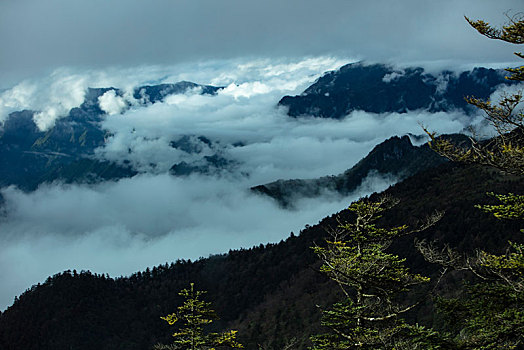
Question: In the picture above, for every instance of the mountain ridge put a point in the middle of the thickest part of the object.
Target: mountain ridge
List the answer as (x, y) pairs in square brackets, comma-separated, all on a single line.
[(380, 88), (396, 157), (247, 285), (65, 152)]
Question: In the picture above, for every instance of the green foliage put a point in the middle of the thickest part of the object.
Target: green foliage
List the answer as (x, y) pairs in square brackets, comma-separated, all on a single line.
[(398, 335), (375, 284), (505, 152), (512, 32), (194, 315), (496, 308), (491, 314), (512, 206)]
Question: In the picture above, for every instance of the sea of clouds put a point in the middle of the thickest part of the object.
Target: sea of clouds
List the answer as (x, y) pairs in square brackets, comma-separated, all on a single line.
[(120, 227)]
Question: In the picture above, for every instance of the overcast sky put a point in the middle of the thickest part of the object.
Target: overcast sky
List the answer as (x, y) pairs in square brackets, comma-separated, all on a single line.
[(38, 36)]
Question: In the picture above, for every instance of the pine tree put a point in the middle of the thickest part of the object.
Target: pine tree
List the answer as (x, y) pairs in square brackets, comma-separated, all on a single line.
[(194, 315), (491, 315), (374, 283), (506, 151)]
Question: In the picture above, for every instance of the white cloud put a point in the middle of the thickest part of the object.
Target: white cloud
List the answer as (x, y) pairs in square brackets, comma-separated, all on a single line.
[(246, 113), (505, 91), (123, 227), (111, 103), (51, 97), (483, 129), (63, 93), (246, 89), (120, 227), (388, 78), (442, 82), (16, 98)]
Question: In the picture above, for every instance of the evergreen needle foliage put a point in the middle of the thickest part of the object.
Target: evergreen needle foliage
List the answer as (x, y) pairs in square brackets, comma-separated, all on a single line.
[(491, 314), (375, 284), (194, 314), (506, 151)]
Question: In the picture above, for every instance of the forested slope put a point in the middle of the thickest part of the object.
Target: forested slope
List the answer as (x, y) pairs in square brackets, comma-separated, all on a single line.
[(267, 292)]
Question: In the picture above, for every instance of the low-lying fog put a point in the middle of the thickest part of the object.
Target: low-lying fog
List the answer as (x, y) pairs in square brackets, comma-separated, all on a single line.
[(124, 226)]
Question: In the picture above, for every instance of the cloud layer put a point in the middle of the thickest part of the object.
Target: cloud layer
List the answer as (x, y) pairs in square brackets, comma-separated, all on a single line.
[(125, 226), (119, 228)]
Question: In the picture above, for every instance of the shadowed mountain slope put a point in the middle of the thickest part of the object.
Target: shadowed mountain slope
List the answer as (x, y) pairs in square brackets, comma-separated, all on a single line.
[(396, 157), (379, 88), (268, 292), (65, 152)]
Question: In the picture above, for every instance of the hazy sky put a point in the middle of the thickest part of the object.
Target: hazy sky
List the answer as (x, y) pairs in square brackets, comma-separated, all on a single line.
[(38, 35)]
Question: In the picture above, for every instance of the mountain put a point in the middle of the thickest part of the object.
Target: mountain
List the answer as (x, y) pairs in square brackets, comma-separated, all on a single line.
[(157, 93), (379, 88), (396, 157), (267, 292), (208, 165), (216, 162), (30, 157)]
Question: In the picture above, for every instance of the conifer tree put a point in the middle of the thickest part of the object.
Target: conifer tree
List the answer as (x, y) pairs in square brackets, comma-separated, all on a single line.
[(193, 316), (506, 151), (491, 313), (374, 283), (491, 316)]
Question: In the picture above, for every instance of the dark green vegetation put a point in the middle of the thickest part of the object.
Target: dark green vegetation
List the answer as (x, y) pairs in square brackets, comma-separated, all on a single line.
[(267, 293), (490, 313), (376, 284), (378, 88), (194, 314)]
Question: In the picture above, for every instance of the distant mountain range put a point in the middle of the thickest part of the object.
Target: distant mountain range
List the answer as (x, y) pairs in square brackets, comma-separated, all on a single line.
[(29, 157), (380, 88)]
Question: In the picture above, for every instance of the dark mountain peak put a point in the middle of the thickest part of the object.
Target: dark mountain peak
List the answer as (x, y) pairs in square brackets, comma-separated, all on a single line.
[(90, 108), (92, 94), (157, 93), (213, 164), (396, 157), (394, 148), (191, 143), (394, 143), (19, 122), (381, 88)]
